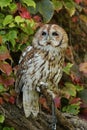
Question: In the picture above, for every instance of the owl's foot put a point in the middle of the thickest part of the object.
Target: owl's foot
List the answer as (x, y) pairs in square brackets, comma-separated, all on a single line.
[(42, 86)]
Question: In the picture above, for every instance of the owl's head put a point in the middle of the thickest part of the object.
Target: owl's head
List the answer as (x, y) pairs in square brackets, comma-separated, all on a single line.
[(50, 36)]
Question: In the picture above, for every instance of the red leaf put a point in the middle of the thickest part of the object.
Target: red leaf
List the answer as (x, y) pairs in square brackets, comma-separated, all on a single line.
[(12, 100), (5, 68), (75, 100), (74, 19), (1, 101), (23, 11), (4, 53), (85, 2), (84, 114), (75, 78), (83, 105), (8, 81), (37, 18), (78, 1), (83, 67), (43, 102), (57, 101), (13, 93), (6, 96)]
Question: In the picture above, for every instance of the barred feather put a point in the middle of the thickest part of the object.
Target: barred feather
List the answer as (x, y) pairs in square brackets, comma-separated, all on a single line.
[(41, 63)]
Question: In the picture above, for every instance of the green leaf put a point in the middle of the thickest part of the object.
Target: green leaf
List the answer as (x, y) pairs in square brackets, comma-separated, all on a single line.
[(29, 3), (11, 36), (70, 89), (79, 88), (72, 109), (2, 89), (19, 19), (67, 68), (11, 128), (8, 19), (29, 27), (83, 95), (1, 17), (6, 128), (13, 7), (4, 3), (46, 9), (12, 24), (83, 18), (2, 118), (1, 128), (57, 5), (70, 6), (33, 10)]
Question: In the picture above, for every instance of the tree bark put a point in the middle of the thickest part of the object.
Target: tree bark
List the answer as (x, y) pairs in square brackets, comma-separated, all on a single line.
[(15, 117)]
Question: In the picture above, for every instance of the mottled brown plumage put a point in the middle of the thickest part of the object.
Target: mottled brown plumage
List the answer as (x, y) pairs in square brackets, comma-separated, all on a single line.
[(40, 65)]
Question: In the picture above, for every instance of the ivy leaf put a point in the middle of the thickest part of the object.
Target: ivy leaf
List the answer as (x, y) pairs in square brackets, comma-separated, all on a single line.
[(83, 95), (1, 101), (29, 3), (4, 3), (67, 68), (83, 18), (72, 109), (29, 27), (75, 100), (5, 68), (12, 36), (43, 102), (2, 118), (8, 128), (46, 9), (83, 67), (69, 89), (12, 100), (24, 13), (6, 96), (8, 19), (19, 19), (13, 7), (2, 89), (0, 39), (8, 81), (57, 101), (57, 5), (4, 53), (78, 1), (2, 16), (79, 88), (70, 6)]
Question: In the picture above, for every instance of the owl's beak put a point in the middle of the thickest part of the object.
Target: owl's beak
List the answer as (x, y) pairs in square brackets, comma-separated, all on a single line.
[(48, 38), (48, 41)]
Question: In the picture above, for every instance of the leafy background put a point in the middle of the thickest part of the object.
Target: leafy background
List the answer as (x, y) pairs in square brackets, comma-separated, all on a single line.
[(19, 20)]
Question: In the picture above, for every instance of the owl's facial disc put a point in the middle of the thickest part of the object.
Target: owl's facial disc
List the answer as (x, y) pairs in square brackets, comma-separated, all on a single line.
[(49, 36)]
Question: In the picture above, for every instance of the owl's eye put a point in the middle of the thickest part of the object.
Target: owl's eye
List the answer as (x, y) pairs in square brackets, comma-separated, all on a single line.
[(55, 34), (44, 33)]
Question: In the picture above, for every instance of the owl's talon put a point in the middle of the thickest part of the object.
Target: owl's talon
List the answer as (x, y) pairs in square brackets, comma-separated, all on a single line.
[(41, 86)]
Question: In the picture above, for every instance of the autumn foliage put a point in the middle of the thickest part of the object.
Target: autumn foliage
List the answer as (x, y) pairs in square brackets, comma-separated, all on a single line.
[(18, 23)]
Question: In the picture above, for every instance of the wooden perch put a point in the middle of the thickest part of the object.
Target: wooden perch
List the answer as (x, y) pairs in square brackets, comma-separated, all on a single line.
[(15, 117)]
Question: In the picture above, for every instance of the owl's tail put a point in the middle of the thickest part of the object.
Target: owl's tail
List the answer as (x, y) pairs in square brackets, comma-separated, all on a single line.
[(30, 102)]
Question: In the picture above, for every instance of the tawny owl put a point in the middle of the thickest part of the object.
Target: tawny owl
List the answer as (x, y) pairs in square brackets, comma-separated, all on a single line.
[(40, 64)]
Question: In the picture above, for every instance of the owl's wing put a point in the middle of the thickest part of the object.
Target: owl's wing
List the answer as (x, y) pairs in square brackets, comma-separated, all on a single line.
[(27, 55), (22, 84)]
